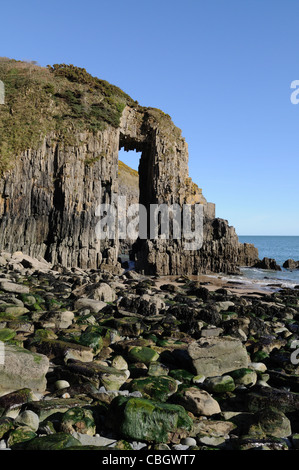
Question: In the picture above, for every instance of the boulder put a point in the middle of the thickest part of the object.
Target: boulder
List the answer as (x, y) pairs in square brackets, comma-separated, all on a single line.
[(23, 369), (78, 419), (291, 264), (94, 305), (199, 402), (57, 441), (158, 388), (9, 286), (138, 418), (267, 263), (216, 356)]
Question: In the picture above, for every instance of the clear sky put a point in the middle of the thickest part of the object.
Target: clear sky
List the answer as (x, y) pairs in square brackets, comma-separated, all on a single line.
[(221, 68)]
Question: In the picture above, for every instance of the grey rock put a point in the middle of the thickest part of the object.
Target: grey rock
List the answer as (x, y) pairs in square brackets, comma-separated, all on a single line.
[(23, 369), (28, 418), (96, 440), (94, 305), (217, 355), (8, 286)]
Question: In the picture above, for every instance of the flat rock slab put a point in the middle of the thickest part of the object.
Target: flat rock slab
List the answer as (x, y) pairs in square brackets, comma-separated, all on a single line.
[(215, 356), (23, 369), (8, 286)]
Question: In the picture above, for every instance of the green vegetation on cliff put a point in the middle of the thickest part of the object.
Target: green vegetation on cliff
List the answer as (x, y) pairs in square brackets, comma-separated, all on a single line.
[(60, 98), (64, 100)]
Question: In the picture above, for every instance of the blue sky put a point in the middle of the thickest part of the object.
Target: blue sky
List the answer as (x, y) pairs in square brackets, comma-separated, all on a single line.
[(221, 69)]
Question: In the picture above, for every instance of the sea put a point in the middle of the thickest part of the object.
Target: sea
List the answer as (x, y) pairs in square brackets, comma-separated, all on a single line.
[(280, 248)]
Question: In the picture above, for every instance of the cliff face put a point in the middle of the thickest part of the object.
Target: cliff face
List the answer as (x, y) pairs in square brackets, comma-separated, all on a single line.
[(50, 194)]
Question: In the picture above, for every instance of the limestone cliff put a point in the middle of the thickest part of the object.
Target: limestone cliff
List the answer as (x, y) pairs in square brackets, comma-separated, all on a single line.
[(61, 130)]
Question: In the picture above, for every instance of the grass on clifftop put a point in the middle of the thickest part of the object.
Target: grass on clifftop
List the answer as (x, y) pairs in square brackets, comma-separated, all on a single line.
[(61, 98)]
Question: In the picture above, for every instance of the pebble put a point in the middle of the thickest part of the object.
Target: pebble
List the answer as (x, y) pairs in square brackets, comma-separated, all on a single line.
[(189, 441), (180, 447), (60, 384)]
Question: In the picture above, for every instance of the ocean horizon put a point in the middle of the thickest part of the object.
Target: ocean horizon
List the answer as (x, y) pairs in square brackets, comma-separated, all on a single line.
[(278, 247)]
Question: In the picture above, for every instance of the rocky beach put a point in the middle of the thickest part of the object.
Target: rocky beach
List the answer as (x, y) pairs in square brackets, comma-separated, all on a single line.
[(170, 351), (102, 361)]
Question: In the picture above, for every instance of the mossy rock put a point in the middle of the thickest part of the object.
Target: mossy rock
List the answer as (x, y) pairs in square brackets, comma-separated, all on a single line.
[(244, 376), (156, 369), (260, 356), (222, 384), (19, 435), (108, 335), (16, 311), (58, 441), (145, 420), (6, 334), (181, 375), (78, 420), (128, 326), (43, 334), (6, 424), (157, 388), (143, 354), (92, 338), (274, 423)]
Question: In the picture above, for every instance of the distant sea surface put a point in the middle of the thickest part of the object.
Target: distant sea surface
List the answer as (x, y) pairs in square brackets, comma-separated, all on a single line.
[(280, 248)]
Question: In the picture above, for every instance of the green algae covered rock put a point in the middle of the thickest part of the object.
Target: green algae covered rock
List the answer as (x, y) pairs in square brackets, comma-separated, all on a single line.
[(6, 424), (20, 434), (92, 338), (222, 384), (158, 388), (78, 420), (143, 354), (182, 375), (244, 376), (58, 441), (146, 420), (6, 334)]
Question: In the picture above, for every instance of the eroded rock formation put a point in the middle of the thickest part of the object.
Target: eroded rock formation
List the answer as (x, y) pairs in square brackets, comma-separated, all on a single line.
[(49, 199)]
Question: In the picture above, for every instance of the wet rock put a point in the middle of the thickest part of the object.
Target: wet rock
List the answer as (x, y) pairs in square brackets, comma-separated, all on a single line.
[(267, 263), (290, 264)]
